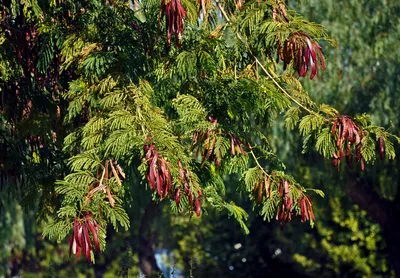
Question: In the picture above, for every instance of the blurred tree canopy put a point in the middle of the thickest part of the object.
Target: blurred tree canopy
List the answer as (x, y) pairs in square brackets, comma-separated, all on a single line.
[(136, 127)]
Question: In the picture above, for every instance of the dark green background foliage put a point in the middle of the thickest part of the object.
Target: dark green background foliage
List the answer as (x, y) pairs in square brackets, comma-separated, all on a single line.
[(82, 82)]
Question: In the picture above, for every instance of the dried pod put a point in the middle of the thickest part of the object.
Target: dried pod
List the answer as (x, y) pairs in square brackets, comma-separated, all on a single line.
[(381, 148), (178, 196), (81, 240), (348, 136), (158, 175), (305, 54), (174, 17), (197, 207)]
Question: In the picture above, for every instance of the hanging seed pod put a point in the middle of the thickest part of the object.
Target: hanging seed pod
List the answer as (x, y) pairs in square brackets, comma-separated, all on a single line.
[(197, 207), (194, 202), (348, 136), (178, 196), (259, 194), (305, 54), (81, 241), (307, 213), (175, 19), (158, 175), (381, 148), (205, 143)]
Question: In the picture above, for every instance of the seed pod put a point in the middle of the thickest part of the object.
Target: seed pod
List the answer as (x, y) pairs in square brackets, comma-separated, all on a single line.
[(93, 230), (310, 209), (260, 190), (333, 130), (381, 148), (178, 196), (121, 172), (88, 247), (306, 216), (232, 146), (81, 239), (190, 198), (198, 207), (338, 140), (115, 173), (151, 176), (109, 196), (78, 251), (267, 187), (218, 159), (76, 232)]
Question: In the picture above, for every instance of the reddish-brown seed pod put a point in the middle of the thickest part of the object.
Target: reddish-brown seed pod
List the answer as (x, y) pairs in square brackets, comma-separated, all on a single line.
[(197, 207), (232, 145), (93, 230), (303, 51), (190, 196), (339, 134), (158, 175), (305, 210), (381, 148), (174, 16), (178, 196), (77, 233), (348, 136), (312, 217), (88, 247), (309, 214), (110, 198), (81, 240), (211, 148), (78, 251), (267, 187), (286, 187), (260, 190), (218, 159), (333, 130)]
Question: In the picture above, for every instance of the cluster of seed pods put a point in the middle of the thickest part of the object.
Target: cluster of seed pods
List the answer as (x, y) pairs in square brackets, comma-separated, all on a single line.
[(206, 143), (194, 202), (305, 53), (158, 175), (81, 243), (160, 180), (306, 209), (348, 138), (264, 185), (285, 209), (86, 228), (174, 17)]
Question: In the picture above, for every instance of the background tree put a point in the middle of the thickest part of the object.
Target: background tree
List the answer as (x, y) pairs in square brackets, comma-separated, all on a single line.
[(362, 76)]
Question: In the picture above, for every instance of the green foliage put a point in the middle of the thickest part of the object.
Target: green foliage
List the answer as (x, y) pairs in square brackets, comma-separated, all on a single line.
[(114, 88), (325, 143), (124, 116)]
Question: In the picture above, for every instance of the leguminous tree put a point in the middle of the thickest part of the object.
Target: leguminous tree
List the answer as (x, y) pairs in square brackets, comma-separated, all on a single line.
[(184, 92)]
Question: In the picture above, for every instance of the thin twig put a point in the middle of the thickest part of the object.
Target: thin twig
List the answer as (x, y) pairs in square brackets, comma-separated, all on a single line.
[(101, 185), (258, 163)]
